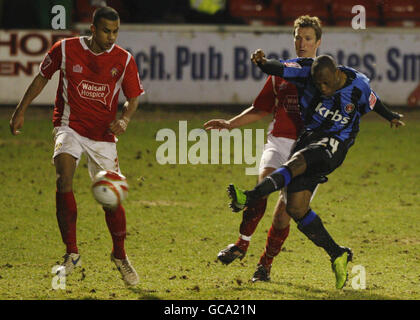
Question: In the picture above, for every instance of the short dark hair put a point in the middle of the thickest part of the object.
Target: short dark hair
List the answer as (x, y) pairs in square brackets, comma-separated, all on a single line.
[(309, 22), (106, 13), (323, 62)]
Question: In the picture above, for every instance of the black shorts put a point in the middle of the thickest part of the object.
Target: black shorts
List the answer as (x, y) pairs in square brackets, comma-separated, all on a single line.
[(322, 155)]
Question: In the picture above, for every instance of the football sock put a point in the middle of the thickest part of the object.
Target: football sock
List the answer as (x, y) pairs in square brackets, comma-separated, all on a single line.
[(275, 240), (312, 227), (243, 242), (116, 222), (275, 181), (66, 212), (251, 216)]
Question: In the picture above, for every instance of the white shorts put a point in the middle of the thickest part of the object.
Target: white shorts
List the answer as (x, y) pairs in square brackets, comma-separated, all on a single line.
[(276, 152), (101, 155)]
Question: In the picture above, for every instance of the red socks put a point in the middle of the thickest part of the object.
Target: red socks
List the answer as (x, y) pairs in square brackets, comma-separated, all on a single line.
[(250, 219), (117, 227), (67, 216), (66, 212), (275, 240)]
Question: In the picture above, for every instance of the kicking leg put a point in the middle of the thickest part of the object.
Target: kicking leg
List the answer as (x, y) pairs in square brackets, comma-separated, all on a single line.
[(274, 181), (103, 156)]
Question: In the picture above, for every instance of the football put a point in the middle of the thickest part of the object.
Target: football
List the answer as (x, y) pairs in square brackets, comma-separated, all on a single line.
[(109, 188)]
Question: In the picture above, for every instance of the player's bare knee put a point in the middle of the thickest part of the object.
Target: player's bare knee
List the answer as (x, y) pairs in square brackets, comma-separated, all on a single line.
[(265, 172), (296, 211), (64, 183)]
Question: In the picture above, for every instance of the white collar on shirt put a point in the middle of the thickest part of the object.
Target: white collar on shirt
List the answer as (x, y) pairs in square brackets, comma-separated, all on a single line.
[(83, 40)]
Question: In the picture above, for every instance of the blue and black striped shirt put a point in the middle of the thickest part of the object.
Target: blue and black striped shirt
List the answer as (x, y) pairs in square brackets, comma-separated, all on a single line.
[(338, 115)]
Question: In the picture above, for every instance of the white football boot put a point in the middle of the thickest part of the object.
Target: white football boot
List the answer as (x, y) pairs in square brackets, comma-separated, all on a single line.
[(71, 261), (128, 272)]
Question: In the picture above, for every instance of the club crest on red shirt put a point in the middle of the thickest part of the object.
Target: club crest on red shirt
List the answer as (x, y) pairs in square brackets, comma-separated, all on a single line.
[(77, 68), (114, 72)]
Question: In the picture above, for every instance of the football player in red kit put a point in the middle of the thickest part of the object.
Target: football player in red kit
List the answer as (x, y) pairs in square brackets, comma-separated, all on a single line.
[(280, 99), (93, 70)]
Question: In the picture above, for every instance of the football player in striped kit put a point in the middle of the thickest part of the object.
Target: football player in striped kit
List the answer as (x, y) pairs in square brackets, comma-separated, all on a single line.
[(332, 99), (278, 98)]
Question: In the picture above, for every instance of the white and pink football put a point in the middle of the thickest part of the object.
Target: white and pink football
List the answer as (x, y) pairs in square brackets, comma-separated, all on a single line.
[(109, 188)]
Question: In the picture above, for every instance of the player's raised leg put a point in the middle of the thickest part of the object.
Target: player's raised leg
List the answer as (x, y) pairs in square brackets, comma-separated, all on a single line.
[(277, 180), (66, 209)]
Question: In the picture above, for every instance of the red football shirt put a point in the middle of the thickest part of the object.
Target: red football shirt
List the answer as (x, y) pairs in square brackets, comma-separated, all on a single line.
[(89, 86), (281, 98)]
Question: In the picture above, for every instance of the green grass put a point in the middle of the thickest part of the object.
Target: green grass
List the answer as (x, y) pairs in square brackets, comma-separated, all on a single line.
[(178, 220)]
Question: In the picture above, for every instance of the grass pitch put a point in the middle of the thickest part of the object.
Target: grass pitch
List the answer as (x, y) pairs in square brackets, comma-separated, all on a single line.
[(178, 220)]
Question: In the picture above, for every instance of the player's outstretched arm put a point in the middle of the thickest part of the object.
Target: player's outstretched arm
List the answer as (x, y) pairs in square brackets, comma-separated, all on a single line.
[(119, 126), (18, 116), (393, 117), (274, 67), (249, 115)]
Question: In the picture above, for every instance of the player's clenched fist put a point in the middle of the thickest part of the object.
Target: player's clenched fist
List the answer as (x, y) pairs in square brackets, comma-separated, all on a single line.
[(16, 122), (258, 57), (118, 127), (397, 122)]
